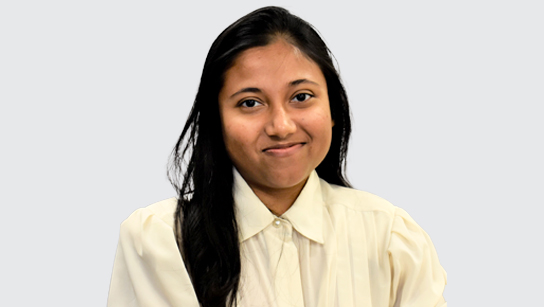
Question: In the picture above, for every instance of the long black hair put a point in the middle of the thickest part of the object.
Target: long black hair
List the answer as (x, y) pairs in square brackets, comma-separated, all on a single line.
[(201, 171)]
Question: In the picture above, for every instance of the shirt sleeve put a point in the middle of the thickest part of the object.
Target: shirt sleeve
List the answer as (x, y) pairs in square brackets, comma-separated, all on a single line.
[(148, 268), (418, 279)]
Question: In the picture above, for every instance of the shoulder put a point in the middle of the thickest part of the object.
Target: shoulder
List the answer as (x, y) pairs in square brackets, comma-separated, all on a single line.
[(150, 221), (336, 196), (148, 265), (163, 211), (149, 233)]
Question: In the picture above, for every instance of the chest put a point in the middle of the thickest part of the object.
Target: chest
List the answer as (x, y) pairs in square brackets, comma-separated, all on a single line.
[(281, 267)]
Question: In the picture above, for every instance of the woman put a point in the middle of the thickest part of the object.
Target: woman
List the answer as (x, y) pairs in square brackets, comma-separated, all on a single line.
[(265, 215)]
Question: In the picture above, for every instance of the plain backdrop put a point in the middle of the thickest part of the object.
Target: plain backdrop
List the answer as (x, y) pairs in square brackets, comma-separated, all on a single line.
[(446, 101)]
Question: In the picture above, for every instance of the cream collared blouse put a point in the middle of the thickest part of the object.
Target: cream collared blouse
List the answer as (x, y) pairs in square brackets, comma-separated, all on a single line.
[(334, 247)]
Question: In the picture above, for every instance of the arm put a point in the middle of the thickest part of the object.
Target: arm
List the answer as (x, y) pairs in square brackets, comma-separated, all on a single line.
[(417, 278)]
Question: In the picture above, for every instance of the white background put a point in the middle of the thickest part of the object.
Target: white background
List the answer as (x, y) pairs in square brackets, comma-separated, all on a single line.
[(446, 99)]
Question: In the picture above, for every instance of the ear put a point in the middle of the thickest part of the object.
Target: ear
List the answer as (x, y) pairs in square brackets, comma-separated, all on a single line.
[(332, 120)]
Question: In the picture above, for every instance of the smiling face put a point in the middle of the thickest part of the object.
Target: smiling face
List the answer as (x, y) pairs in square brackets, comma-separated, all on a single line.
[(275, 116)]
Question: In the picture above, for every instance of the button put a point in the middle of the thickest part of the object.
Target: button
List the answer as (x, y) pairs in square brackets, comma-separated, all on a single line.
[(277, 223)]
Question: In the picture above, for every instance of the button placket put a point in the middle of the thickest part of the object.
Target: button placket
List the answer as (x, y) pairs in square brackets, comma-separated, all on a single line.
[(287, 280)]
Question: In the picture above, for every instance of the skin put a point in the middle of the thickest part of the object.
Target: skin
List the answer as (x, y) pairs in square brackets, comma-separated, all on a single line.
[(276, 121)]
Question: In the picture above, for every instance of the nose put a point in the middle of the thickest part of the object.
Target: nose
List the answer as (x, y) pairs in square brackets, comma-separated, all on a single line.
[(280, 124)]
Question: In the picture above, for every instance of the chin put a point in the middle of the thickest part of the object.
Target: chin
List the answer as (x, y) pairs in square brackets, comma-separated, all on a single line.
[(287, 179)]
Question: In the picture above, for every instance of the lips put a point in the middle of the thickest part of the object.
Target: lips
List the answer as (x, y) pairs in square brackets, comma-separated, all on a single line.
[(283, 150), (283, 146)]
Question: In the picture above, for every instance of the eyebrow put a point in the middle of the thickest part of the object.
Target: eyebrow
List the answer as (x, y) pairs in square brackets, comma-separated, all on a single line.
[(258, 90)]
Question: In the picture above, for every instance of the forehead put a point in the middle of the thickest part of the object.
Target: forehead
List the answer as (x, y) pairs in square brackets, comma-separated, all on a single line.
[(274, 64), (277, 50)]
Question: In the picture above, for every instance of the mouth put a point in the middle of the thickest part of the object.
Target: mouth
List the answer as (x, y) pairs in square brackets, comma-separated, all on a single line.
[(283, 149)]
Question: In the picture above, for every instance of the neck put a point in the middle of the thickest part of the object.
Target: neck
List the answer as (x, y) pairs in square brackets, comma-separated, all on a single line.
[(278, 201)]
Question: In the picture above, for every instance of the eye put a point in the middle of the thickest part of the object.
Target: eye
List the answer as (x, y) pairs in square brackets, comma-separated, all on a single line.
[(302, 97), (250, 103)]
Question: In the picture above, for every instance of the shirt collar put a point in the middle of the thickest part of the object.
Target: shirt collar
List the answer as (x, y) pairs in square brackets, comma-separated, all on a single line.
[(306, 213)]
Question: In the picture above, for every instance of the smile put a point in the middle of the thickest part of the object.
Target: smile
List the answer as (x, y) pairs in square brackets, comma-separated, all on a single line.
[(282, 150)]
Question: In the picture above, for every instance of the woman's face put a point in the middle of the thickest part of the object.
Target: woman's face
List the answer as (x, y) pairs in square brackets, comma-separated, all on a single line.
[(275, 116)]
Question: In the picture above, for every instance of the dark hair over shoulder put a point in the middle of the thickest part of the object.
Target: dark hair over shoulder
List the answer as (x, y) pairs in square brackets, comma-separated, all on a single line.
[(205, 223)]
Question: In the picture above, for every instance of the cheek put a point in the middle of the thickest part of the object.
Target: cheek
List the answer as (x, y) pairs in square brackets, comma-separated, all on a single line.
[(237, 139), (321, 127), (321, 123)]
